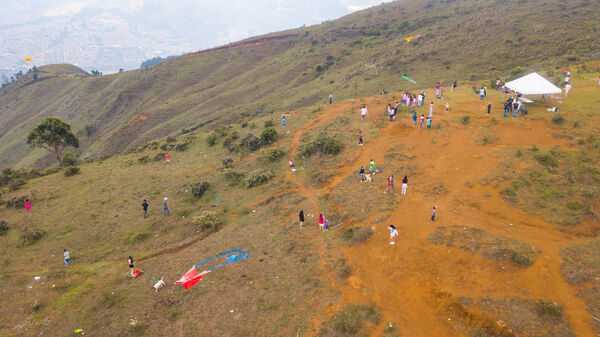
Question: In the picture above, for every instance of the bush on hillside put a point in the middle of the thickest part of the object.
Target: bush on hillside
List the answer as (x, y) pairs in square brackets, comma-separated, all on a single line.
[(558, 119), (69, 159), (159, 156), (71, 171), (257, 178), (250, 142), (352, 320), (234, 177), (269, 136), (206, 221), (212, 140), (16, 184), (323, 143), (271, 154), (3, 227), (269, 123), (30, 235), (16, 202), (356, 234), (198, 189), (226, 162)]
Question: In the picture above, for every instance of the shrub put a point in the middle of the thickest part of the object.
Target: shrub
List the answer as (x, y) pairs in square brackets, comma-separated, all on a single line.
[(271, 154), (269, 135), (3, 227), (143, 159), (465, 120), (159, 156), (323, 143), (16, 184), (16, 202), (558, 119), (69, 159), (198, 189), (212, 140), (171, 139), (356, 234), (546, 159), (257, 178), (269, 123), (508, 194), (206, 221), (250, 142), (30, 235), (227, 162), (71, 171), (234, 177), (548, 308), (350, 321)]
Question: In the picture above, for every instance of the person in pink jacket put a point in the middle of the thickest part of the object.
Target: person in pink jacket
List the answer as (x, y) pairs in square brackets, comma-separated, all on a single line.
[(321, 222), (27, 205), (167, 158)]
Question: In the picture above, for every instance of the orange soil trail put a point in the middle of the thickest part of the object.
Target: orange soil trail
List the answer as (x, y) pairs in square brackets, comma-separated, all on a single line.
[(401, 278)]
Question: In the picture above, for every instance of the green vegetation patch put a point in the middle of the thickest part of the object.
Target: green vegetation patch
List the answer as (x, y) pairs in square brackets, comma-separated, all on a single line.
[(581, 261), (356, 234), (352, 320), (322, 144), (486, 244)]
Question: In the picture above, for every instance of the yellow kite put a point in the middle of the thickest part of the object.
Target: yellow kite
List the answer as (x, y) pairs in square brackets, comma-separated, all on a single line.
[(412, 37), (28, 59)]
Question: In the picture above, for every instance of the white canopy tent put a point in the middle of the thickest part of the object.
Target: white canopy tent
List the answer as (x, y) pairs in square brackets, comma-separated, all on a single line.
[(533, 84)]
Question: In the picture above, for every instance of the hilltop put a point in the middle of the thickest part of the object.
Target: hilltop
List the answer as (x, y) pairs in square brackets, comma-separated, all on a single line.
[(357, 55), (513, 250)]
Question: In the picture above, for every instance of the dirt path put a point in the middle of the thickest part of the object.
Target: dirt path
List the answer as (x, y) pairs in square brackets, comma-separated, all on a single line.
[(402, 278)]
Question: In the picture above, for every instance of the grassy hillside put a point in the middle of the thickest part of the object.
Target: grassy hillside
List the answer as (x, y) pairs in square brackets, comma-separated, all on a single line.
[(492, 264), (351, 57)]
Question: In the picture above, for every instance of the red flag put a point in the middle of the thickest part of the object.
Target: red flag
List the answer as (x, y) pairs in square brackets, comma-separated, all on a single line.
[(137, 272), (191, 278)]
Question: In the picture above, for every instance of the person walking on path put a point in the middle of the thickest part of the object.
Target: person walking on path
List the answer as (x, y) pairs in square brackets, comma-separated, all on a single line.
[(567, 88), (167, 158), (362, 175), (372, 167), (145, 205), (360, 138), (390, 185), (364, 112), (67, 257), (489, 108), (301, 216), (404, 185), (330, 99), (414, 119), (283, 120), (433, 214), (165, 207), (27, 205), (131, 265), (321, 222), (393, 234), (430, 108)]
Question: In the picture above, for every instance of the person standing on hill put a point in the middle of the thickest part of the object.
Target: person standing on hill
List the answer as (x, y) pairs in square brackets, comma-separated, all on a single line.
[(433, 213), (301, 216), (360, 138), (67, 257), (430, 108), (428, 122), (437, 89), (363, 112), (145, 205), (283, 120), (165, 207), (567, 88), (330, 99), (421, 121), (131, 264), (393, 234), (447, 107), (390, 112), (27, 205), (372, 167), (390, 185), (414, 117), (362, 174), (490, 108), (404, 184), (598, 79), (321, 222), (454, 85), (167, 158)]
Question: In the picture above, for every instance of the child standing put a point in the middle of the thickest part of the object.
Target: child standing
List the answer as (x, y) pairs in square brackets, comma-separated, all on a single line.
[(360, 138), (422, 121), (414, 119), (429, 122), (131, 265), (167, 158), (393, 234), (145, 205), (390, 185), (430, 108), (27, 205), (165, 207), (372, 167), (67, 258), (283, 120), (363, 112), (301, 216), (433, 214), (404, 185), (321, 222), (490, 108)]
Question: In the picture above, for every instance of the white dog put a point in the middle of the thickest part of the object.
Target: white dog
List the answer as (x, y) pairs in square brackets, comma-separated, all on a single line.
[(368, 178), (158, 285)]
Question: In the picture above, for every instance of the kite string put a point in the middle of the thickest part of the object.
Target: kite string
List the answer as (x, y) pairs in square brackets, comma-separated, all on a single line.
[(182, 315)]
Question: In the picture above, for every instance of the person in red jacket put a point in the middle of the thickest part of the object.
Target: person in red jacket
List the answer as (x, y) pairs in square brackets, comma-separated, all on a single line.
[(321, 222), (167, 158)]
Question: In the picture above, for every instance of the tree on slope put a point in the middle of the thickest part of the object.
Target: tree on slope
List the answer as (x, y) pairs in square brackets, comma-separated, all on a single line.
[(53, 135)]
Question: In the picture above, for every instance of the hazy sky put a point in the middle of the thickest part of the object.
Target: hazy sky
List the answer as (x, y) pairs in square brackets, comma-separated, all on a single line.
[(111, 34)]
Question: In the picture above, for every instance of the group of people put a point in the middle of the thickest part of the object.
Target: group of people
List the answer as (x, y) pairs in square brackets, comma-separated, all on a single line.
[(513, 105)]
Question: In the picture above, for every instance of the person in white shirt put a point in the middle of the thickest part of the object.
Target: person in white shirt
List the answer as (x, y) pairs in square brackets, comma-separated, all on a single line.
[(567, 88), (364, 111), (67, 258), (393, 233)]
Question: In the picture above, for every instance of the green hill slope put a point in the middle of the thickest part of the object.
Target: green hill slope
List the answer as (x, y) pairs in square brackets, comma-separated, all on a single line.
[(351, 57)]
